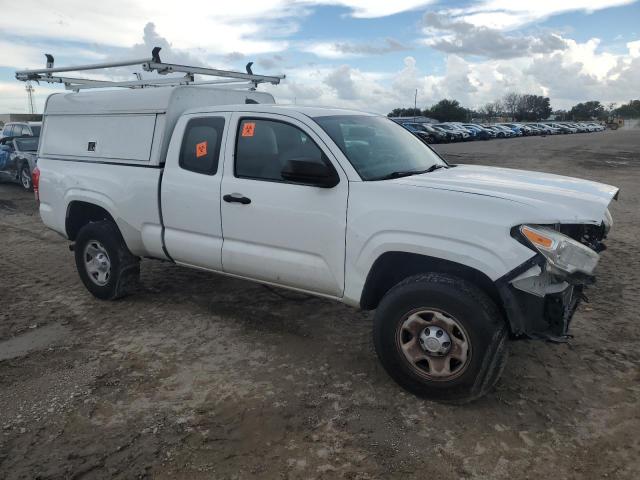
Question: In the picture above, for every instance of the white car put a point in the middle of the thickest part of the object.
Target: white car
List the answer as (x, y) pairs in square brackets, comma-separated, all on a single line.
[(457, 260)]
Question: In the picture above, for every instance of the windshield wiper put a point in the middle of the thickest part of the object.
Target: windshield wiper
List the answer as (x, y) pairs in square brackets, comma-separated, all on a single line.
[(408, 173)]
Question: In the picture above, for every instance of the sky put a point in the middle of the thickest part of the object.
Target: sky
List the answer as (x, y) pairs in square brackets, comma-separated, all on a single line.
[(369, 55)]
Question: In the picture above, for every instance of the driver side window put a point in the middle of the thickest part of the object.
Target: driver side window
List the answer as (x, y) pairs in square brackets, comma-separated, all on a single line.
[(263, 148)]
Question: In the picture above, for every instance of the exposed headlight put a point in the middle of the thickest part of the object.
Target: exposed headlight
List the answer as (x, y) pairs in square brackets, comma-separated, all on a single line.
[(564, 255)]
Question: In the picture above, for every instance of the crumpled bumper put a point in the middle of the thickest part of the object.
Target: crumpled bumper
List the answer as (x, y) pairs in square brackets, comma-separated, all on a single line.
[(538, 304)]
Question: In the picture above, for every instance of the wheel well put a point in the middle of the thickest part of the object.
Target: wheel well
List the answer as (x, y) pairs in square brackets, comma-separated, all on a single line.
[(393, 267), (81, 213)]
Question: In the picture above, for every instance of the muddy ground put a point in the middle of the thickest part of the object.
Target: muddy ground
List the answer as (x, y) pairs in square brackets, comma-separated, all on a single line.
[(202, 376)]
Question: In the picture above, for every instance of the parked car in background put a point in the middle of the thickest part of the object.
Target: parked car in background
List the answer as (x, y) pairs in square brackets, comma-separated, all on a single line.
[(18, 159), (451, 135), (595, 127), (425, 133), (481, 132), (21, 129), (535, 130), (471, 131), (578, 126), (548, 129), (517, 128), (507, 132), (563, 128), (460, 133), (438, 135)]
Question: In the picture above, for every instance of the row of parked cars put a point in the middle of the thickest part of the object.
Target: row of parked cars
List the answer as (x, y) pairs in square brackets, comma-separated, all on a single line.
[(18, 152), (458, 132)]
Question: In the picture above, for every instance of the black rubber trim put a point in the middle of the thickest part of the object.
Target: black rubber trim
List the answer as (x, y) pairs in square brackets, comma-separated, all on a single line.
[(162, 229), (516, 317), (120, 164)]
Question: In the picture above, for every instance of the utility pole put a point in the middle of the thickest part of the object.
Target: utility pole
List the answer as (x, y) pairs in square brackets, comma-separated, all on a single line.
[(29, 88)]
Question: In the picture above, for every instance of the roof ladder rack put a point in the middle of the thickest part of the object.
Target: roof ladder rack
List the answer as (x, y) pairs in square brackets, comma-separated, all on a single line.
[(152, 64)]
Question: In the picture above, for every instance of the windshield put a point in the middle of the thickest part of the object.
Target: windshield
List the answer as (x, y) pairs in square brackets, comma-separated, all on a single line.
[(27, 144), (378, 147)]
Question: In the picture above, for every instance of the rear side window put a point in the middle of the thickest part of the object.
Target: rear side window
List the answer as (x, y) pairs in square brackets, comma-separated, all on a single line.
[(200, 149), (264, 147)]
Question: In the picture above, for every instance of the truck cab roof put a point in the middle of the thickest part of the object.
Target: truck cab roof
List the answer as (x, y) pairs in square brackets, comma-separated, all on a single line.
[(309, 111)]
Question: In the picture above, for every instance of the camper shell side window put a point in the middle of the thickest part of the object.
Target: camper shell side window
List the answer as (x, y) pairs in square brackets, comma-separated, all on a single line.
[(200, 150)]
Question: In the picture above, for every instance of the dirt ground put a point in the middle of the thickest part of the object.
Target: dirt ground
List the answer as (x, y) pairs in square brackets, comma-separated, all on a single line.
[(202, 376)]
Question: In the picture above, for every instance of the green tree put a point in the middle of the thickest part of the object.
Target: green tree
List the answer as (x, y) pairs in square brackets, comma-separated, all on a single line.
[(532, 107), (588, 111), (404, 112), (510, 104), (490, 111), (629, 110), (448, 111)]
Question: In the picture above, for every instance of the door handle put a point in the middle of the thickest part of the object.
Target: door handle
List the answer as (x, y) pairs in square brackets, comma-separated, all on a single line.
[(237, 198)]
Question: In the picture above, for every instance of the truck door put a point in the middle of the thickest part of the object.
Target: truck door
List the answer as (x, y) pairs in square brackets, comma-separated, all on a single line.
[(275, 230), (190, 190)]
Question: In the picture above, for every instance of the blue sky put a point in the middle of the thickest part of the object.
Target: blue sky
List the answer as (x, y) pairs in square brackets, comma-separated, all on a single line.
[(370, 55)]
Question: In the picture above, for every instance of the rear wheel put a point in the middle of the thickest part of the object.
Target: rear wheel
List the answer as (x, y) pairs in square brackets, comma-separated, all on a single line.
[(106, 266), (25, 177), (441, 337)]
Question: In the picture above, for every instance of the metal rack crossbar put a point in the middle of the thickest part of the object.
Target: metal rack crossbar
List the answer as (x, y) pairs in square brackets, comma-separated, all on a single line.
[(152, 64)]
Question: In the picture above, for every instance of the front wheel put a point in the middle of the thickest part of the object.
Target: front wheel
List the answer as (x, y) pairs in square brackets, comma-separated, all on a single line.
[(105, 265), (441, 337)]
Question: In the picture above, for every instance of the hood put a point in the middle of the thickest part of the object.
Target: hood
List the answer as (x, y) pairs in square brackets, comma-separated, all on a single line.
[(557, 199)]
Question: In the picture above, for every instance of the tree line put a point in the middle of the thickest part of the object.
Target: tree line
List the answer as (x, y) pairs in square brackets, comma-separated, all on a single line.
[(520, 107)]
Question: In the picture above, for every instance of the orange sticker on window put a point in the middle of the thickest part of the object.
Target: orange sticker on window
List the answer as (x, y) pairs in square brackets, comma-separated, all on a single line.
[(248, 128), (201, 149)]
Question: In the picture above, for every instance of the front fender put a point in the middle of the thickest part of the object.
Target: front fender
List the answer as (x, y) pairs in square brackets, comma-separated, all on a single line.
[(492, 261)]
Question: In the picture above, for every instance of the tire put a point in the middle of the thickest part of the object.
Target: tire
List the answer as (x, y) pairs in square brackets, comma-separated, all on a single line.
[(478, 324), (106, 278), (25, 177)]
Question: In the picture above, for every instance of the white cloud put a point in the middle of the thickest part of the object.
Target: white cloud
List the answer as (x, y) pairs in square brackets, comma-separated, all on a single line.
[(335, 50), (570, 76), (463, 38), (21, 55), (507, 14), (247, 26), (378, 8)]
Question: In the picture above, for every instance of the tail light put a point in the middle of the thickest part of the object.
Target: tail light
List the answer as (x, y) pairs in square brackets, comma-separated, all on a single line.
[(35, 181)]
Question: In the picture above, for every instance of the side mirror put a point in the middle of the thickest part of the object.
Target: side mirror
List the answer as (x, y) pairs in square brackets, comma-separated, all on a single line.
[(310, 172)]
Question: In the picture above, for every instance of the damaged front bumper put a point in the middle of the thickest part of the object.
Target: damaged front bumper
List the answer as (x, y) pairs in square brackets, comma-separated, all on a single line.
[(538, 304), (541, 296)]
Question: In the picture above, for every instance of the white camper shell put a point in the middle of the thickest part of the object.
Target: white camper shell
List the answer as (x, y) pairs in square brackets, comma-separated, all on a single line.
[(129, 126)]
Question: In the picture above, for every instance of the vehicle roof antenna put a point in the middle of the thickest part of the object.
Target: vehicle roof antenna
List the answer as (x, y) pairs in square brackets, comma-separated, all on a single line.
[(155, 54)]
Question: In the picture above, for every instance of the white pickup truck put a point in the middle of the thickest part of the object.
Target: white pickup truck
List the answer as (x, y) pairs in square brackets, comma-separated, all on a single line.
[(455, 259)]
